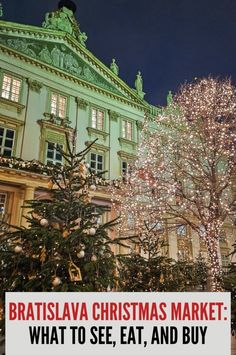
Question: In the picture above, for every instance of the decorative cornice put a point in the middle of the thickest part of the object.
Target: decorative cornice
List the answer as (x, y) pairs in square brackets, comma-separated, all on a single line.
[(126, 142), (97, 133), (19, 107), (10, 121), (39, 33), (97, 146), (128, 156), (64, 122), (34, 85), (54, 126)]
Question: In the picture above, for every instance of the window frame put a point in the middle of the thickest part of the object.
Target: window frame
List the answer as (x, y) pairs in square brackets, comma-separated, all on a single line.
[(101, 110), (49, 105), (14, 139), (13, 77), (124, 133), (102, 154), (55, 152)]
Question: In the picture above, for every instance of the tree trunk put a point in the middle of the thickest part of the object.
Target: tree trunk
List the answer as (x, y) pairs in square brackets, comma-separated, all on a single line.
[(216, 274)]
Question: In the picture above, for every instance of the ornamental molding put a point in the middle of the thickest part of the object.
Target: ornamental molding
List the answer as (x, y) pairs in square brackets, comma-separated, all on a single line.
[(54, 126), (96, 146), (72, 79), (83, 104), (34, 85), (12, 104), (125, 143), (125, 155), (53, 36), (114, 115), (56, 120), (10, 122), (96, 133)]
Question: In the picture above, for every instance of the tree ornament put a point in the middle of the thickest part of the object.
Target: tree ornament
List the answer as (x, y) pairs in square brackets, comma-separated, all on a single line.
[(92, 231), (50, 184), (87, 199), (56, 281), (94, 258), (44, 222), (93, 187), (162, 279), (65, 234), (81, 254), (18, 249), (74, 272)]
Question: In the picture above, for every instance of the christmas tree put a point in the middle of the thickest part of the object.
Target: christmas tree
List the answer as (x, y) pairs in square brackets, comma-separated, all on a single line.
[(148, 268), (66, 247)]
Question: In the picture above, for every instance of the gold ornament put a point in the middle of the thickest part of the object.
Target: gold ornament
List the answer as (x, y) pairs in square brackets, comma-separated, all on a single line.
[(50, 184), (162, 278), (31, 276), (74, 272), (87, 199), (56, 281), (42, 257), (65, 234)]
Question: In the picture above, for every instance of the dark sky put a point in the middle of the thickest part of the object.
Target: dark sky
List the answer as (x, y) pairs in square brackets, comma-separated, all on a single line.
[(170, 41)]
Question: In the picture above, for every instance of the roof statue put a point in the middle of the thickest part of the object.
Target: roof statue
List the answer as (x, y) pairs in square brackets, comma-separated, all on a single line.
[(114, 67), (64, 20), (169, 99), (139, 85)]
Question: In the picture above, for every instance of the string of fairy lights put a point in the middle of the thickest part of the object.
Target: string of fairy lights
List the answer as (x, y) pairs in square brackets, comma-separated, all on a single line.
[(185, 168)]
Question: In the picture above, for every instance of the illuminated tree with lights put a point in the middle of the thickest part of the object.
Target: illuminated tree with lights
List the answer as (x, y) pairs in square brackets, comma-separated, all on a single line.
[(185, 168)]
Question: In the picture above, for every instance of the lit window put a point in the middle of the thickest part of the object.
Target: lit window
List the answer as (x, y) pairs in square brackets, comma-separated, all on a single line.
[(97, 162), (6, 141), (58, 105), (127, 130), (10, 88), (97, 119), (53, 154)]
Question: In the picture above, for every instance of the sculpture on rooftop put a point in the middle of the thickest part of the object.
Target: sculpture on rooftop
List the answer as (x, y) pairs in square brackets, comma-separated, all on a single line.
[(114, 67), (139, 85)]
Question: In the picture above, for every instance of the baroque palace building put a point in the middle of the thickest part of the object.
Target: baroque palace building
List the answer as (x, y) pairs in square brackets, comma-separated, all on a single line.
[(51, 84)]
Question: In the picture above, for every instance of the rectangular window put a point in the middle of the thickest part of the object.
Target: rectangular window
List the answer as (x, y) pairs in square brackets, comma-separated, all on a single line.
[(127, 130), (124, 168), (3, 203), (6, 141), (53, 154), (97, 162), (58, 105), (98, 119), (11, 88)]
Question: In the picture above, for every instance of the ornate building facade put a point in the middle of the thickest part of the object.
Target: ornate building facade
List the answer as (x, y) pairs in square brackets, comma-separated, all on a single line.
[(51, 84)]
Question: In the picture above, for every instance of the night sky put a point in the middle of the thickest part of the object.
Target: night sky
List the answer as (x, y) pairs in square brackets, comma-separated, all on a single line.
[(170, 41)]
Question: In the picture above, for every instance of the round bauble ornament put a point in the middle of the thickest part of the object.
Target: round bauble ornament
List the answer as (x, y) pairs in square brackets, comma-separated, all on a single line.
[(92, 231), (18, 249), (50, 184), (81, 254), (56, 281), (82, 246), (93, 258), (87, 165), (44, 222), (65, 234), (93, 187)]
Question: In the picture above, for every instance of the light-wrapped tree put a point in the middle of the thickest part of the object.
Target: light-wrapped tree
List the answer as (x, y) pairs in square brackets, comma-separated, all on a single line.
[(186, 165)]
